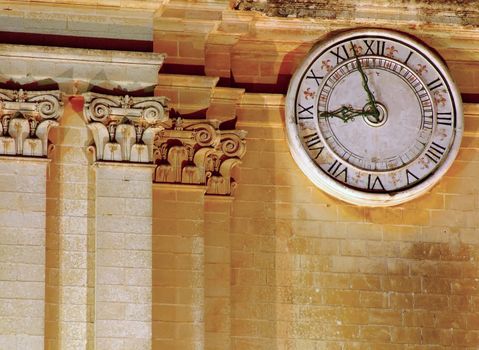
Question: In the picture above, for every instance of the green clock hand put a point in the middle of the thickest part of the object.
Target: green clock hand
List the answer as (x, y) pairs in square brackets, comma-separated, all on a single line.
[(371, 100), (346, 113)]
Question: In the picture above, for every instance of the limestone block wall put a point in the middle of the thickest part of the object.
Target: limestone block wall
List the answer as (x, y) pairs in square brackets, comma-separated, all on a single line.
[(22, 252), (311, 272), (178, 268), (123, 256)]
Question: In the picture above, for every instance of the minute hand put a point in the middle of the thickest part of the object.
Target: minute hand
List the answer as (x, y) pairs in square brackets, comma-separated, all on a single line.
[(371, 99)]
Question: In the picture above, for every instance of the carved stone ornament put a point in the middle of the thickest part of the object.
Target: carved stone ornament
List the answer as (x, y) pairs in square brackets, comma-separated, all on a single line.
[(123, 127), (197, 152), (26, 117)]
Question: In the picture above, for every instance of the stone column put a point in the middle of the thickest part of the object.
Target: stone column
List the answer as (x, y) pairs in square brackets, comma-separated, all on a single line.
[(123, 256), (123, 130), (25, 120)]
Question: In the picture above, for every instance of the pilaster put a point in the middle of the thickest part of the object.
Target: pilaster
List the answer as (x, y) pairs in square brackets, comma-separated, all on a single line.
[(22, 257), (123, 256), (178, 267), (218, 279), (123, 130), (25, 121)]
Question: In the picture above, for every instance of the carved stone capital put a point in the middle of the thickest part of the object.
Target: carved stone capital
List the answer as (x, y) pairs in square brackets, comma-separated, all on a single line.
[(197, 152), (123, 127), (26, 117)]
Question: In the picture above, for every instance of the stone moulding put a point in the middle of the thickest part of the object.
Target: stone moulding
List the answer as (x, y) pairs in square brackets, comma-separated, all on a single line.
[(26, 118), (197, 152), (76, 70), (124, 127)]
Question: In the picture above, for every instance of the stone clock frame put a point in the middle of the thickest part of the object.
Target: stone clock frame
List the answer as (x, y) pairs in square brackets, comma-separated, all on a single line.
[(315, 170)]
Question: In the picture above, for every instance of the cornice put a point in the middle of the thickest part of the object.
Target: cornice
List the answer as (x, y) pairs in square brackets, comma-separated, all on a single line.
[(438, 11), (76, 70)]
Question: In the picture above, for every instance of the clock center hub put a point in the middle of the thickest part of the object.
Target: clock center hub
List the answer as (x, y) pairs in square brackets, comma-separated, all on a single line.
[(380, 120)]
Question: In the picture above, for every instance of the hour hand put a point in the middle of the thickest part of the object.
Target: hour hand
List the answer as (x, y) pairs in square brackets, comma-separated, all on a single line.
[(345, 113)]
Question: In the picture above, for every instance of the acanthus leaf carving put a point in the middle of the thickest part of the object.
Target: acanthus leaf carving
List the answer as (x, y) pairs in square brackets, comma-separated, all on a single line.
[(192, 151), (122, 126), (26, 118)]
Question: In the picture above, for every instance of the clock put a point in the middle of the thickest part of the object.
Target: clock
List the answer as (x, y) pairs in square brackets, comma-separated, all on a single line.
[(373, 117)]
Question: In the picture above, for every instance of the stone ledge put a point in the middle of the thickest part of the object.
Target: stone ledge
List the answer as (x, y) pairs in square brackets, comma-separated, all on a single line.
[(75, 70)]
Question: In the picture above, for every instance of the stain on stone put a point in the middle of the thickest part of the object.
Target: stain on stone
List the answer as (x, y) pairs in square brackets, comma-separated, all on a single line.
[(456, 12)]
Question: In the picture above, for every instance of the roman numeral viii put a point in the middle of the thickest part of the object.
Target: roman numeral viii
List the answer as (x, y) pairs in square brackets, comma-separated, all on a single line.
[(337, 169), (313, 142)]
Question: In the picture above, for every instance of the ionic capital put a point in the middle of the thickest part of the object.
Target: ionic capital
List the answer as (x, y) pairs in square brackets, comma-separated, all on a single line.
[(123, 127), (198, 152), (26, 117)]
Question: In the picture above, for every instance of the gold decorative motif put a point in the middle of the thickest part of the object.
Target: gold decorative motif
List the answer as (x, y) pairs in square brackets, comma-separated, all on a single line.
[(25, 120), (390, 51), (357, 48), (308, 94), (421, 69), (439, 99), (424, 163), (442, 133), (326, 65)]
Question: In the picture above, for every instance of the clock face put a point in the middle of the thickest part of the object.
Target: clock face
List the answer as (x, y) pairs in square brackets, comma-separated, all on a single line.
[(373, 117)]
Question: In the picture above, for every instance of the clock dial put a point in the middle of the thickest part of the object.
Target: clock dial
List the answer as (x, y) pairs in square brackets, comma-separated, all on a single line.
[(373, 117)]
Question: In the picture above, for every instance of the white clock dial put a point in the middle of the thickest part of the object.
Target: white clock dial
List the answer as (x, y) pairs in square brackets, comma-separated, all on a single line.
[(373, 117)]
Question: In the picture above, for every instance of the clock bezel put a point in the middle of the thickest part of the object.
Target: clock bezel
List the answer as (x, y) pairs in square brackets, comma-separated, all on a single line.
[(338, 189)]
